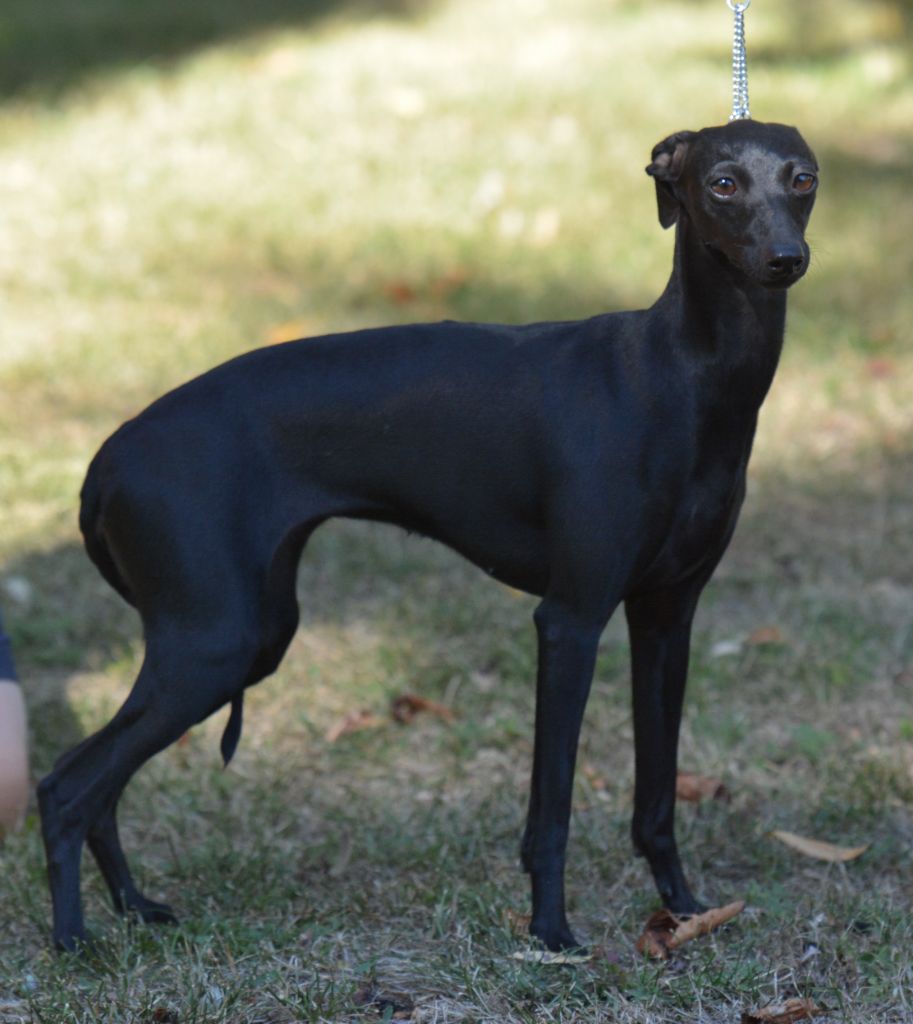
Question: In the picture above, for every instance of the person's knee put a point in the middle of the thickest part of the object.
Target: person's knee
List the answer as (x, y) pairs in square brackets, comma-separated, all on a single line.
[(14, 776)]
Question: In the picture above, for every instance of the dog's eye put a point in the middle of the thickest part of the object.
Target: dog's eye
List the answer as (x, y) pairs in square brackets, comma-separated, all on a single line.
[(724, 187), (804, 182)]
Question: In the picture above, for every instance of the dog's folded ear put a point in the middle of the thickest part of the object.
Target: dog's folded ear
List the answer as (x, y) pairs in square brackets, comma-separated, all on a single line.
[(668, 159)]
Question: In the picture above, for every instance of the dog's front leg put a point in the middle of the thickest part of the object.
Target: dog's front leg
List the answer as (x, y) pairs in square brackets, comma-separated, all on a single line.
[(659, 626), (567, 655)]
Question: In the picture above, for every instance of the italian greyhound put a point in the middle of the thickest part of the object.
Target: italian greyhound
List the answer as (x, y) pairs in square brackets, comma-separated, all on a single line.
[(589, 463)]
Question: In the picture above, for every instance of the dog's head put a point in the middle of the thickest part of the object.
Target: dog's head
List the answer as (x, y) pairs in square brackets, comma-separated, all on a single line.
[(747, 188)]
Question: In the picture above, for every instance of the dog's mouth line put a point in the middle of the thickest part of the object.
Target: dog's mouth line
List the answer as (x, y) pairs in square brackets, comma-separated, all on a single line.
[(716, 252), (723, 259), (767, 282)]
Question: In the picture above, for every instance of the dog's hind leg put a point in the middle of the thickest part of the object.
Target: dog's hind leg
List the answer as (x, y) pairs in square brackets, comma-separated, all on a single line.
[(103, 838), (217, 642), (185, 677), (104, 842)]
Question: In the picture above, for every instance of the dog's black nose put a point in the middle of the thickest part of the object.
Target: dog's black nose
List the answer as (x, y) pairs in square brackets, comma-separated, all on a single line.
[(783, 263)]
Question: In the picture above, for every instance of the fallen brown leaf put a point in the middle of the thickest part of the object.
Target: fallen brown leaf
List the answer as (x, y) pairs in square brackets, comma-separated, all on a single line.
[(400, 292), (766, 636), (546, 956), (702, 924), (355, 721), (783, 1013), (517, 923), (592, 776), (818, 849), (407, 705), (665, 931), (656, 938), (695, 788)]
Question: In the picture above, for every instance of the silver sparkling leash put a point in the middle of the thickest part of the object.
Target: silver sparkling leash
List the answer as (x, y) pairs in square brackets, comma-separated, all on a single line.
[(739, 63)]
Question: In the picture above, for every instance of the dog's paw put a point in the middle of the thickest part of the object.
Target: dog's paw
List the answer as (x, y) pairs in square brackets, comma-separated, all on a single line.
[(557, 939), (150, 912), (687, 907), (76, 942)]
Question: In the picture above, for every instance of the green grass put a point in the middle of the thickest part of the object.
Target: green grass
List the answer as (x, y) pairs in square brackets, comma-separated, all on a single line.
[(183, 182)]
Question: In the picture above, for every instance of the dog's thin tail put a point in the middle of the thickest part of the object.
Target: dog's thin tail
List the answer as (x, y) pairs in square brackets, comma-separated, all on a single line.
[(232, 730)]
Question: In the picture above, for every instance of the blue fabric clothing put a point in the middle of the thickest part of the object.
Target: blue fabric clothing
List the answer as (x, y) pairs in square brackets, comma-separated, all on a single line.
[(7, 665)]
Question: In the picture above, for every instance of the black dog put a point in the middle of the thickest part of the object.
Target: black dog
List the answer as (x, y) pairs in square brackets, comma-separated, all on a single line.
[(589, 463)]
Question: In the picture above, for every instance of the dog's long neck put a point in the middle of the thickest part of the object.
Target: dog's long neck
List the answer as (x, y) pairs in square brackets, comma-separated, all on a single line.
[(733, 327)]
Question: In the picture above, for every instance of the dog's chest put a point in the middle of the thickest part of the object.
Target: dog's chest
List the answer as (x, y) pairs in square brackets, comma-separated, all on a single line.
[(701, 514)]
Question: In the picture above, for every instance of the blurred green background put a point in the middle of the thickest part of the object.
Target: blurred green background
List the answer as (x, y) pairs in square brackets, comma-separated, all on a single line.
[(182, 182)]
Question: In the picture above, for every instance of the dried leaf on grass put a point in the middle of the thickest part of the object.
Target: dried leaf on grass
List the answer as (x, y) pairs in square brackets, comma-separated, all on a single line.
[(695, 788), (595, 779), (702, 924), (766, 636), (516, 922), (402, 709), (355, 721), (546, 956), (407, 705), (818, 849), (783, 1013), (665, 931), (403, 293), (656, 938), (399, 292)]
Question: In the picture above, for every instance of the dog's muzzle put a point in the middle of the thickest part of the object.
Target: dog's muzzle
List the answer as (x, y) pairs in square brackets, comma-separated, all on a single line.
[(784, 265)]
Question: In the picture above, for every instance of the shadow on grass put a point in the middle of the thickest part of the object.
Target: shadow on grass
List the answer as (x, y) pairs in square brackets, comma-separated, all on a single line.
[(47, 46), (67, 625), (352, 573)]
